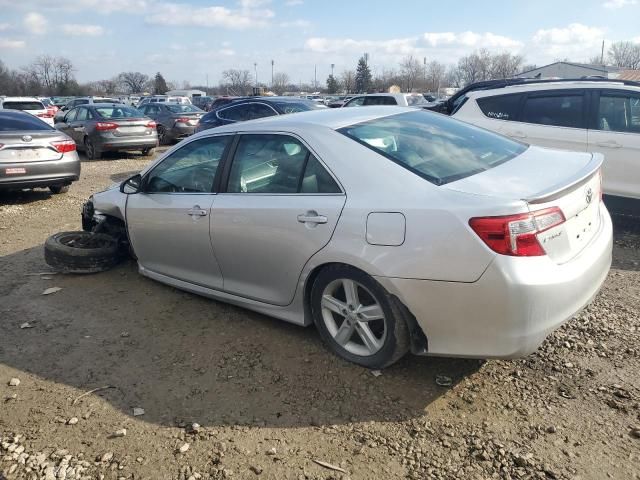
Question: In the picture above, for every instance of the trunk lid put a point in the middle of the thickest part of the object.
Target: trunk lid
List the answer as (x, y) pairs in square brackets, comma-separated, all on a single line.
[(17, 147), (192, 118), (132, 127), (543, 179)]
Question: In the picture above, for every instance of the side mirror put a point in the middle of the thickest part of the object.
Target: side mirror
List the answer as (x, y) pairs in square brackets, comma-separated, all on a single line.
[(58, 119), (132, 185)]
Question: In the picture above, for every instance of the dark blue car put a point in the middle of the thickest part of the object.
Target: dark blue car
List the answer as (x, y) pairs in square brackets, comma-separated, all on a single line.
[(250, 108)]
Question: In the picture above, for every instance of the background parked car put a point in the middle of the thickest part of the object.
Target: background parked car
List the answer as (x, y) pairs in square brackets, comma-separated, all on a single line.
[(60, 101), (88, 101), (28, 104), (174, 121), (34, 154), (102, 127), (250, 108), (399, 99), (203, 103), (583, 115), (49, 106), (164, 99)]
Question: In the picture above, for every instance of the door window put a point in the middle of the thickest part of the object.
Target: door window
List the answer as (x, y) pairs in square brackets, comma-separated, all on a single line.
[(619, 113), (260, 110), (277, 164), (71, 116), (554, 110), (190, 169), (237, 113), (355, 102), (83, 115), (500, 107)]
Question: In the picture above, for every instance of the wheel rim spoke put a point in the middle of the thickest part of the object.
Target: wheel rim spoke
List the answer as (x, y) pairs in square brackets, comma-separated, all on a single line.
[(368, 338), (333, 304), (370, 313), (351, 292), (344, 333)]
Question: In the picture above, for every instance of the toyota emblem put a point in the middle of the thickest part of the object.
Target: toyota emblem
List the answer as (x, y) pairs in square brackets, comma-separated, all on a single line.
[(589, 195), (27, 138)]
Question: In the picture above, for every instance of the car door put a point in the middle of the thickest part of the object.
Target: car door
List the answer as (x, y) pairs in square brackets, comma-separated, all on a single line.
[(279, 208), (77, 126), (169, 221), (552, 118), (616, 134), (65, 125)]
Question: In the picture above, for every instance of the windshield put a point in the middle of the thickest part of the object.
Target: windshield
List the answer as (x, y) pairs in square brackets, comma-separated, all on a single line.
[(435, 147), (23, 105), (416, 100), (295, 107), (183, 108), (118, 111)]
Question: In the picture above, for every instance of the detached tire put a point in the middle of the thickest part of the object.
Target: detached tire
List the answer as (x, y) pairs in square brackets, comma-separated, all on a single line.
[(82, 252)]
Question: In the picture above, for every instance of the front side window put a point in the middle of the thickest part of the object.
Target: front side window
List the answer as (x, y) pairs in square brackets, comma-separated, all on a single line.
[(619, 113), (236, 113), (554, 110), (71, 116), (275, 164), (82, 115), (500, 107), (355, 102), (435, 147), (190, 169)]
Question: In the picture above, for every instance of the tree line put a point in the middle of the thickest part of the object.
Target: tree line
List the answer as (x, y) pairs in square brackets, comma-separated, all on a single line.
[(55, 75)]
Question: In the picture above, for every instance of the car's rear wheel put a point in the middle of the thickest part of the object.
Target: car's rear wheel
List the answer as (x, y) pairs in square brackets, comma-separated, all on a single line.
[(148, 151), (162, 135), (56, 189), (82, 252), (90, 149), (357, 318)]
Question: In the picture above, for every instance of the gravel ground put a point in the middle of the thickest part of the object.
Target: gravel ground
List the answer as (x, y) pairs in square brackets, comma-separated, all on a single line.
[(194, 389)]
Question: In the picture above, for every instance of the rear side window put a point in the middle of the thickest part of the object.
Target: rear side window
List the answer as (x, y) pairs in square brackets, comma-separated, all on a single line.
[(259, 110), (554, 110), (380, 101), (619, 113), (24, 105), (435, 147), (500, 107), (237, 113), (15, 122)]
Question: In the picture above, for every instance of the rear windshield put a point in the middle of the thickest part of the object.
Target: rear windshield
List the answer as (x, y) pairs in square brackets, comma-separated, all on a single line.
[(118, 111), (435, 147), (183, 108), (24, 105), (23, 122), (295, 107)]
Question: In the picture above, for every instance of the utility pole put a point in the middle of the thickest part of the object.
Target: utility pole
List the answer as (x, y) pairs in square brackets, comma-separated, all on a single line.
[(315, 77), (255, 68), (332, 66), (207, 82), (272, 62), (424, 70), (602, 53)]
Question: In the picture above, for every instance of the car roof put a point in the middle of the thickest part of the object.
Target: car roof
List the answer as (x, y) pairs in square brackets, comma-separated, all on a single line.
[(333, 118), (20, 99), (564, 85)]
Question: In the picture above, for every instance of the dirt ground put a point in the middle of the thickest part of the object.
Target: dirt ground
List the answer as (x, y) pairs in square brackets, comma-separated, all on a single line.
[(227, 393)]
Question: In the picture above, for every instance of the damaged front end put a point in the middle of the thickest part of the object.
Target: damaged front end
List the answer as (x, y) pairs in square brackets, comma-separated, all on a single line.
[(95, 221)]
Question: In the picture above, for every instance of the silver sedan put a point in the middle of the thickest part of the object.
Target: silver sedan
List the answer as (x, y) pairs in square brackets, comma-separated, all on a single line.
[(390, 229)]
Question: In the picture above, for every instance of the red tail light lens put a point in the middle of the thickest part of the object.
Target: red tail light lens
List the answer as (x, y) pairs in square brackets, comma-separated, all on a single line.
[(46, 114), (152, 124), (182, 120), (516, 235), (103, 126), (64, 146)]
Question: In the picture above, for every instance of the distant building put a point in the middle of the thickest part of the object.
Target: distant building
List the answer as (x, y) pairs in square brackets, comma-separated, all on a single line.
[(633, 75), (187, 93), (571, 70)]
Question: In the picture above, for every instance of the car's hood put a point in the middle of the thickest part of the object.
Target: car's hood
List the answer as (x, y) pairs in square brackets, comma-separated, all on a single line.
[(110, 202)]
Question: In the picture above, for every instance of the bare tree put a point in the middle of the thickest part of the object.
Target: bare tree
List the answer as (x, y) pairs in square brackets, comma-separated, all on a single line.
[(133, 82), (505, 65), (348, 80), (52, 74), (237, 82), (625, 54), (280, 82), (436, 73), (411, 71)]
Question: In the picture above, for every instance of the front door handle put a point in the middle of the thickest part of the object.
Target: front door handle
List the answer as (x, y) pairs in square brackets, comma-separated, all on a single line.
[(196, 211), (312, 217), (609, 144)]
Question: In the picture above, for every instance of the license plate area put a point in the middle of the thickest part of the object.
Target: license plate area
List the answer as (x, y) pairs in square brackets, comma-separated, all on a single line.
[(15, 171)]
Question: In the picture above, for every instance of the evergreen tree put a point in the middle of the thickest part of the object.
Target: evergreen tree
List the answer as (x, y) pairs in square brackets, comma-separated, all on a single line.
[(363, 76), (160, 85), (332, 84)]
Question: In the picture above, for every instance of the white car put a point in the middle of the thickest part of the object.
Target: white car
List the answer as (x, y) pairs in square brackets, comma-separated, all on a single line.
[(165, 99), (398, 99), (389, 228), (580, 115), (30, 105)]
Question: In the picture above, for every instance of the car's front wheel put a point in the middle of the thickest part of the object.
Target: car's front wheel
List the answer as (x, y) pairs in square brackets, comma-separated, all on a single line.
[(357, 318)]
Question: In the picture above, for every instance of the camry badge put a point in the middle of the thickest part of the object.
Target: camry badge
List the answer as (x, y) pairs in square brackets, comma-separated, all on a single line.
[(589, 195), (27, 138)]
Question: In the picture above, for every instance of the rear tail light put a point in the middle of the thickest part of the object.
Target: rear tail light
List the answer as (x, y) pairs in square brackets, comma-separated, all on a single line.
[(182, 120), (46, 114), (103, 126), (152, 124), (64, 146), (516, 235)]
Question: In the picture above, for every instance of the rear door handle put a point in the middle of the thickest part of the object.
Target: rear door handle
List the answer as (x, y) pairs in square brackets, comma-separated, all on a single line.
[(312, 217), (609, 144), (196, 211)]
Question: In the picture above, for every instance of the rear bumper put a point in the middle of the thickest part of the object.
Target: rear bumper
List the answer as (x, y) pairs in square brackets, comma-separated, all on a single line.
[(181, 131), (41, 174), (513, 307), (140, 142)]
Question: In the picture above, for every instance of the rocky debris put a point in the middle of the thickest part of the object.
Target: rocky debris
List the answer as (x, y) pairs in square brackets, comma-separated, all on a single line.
[(72, 421), (119, 433), (51, 290), (183, 448), (635, 432), (137, 411), (14, 382)]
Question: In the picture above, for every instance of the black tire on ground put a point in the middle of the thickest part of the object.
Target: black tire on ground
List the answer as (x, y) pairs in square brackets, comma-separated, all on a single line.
[(59, 188), (82, 252), (162, 135), (397, 341), (90, 150), (148, 151)]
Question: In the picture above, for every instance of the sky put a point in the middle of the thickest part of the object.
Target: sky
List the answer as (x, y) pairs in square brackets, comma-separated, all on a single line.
[(195, 40)]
